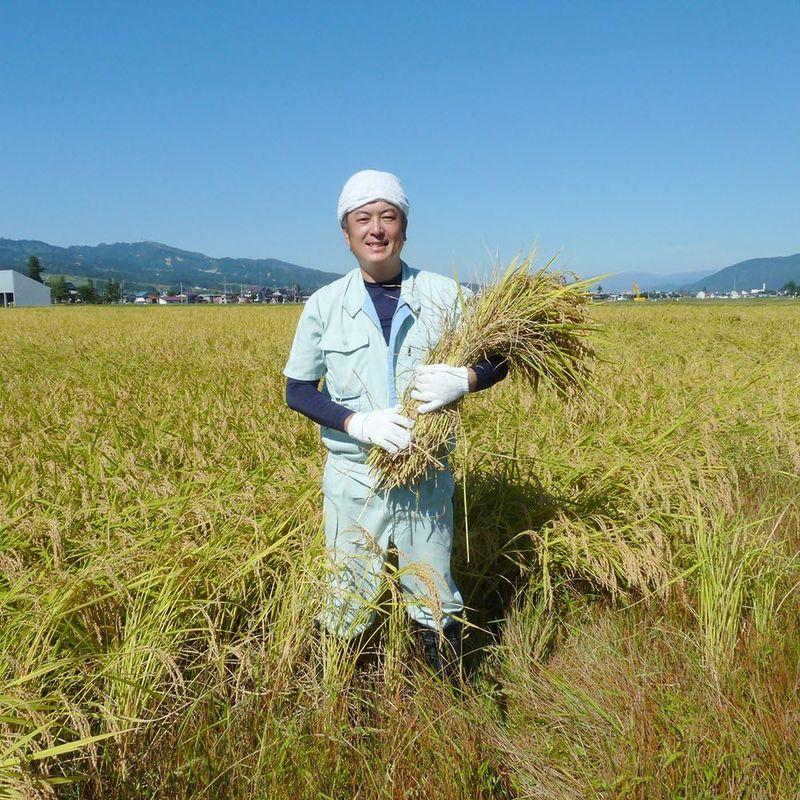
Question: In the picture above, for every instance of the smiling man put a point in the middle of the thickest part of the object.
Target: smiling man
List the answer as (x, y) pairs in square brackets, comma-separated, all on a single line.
[(367, 334)]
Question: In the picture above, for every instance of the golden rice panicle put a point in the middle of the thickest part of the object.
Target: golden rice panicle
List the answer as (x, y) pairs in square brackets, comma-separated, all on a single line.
[(535, 320)]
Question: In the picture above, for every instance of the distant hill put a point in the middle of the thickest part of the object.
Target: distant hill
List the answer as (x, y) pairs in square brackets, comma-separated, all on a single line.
[(751, 274), (649, 282), (147, 264)]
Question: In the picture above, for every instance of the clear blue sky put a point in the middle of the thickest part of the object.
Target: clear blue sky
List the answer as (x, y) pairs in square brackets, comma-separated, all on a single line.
[(662, 136)]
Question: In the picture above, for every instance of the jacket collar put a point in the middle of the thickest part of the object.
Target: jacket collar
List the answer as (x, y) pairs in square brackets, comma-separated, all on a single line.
[(355, 293)]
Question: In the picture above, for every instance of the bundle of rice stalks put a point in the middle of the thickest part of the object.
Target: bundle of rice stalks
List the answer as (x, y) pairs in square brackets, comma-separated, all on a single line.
[(535, 321)]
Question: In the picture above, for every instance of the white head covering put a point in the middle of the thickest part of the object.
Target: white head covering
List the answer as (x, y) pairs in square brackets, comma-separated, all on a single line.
[(370, 185)]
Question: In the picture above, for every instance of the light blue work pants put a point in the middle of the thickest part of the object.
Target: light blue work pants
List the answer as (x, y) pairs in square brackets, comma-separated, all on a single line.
[(361, 524)]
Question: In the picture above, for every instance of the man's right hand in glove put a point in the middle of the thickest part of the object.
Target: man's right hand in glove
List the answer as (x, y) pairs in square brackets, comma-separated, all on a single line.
[(386, 428)]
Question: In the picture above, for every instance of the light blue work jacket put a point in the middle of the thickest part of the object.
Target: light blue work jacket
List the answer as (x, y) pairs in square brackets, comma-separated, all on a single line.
[(339, 337)]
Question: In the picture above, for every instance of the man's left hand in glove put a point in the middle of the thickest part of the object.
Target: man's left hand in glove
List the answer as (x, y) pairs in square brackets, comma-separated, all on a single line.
[(438, 385)]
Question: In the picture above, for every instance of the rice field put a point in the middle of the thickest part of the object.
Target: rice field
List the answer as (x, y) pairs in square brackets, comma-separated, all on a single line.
[(630, 560)]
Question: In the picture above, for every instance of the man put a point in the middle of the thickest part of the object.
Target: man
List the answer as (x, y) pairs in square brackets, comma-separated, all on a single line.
[(367, 334)]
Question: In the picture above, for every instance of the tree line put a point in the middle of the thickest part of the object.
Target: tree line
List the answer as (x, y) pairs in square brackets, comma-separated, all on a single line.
[(87, 292), (791, 288)]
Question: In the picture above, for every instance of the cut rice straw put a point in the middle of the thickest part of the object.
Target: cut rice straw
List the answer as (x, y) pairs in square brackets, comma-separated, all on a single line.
[(534, 320)]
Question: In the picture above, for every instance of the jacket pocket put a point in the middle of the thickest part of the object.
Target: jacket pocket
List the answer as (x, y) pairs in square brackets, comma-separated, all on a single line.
[(346, 366)]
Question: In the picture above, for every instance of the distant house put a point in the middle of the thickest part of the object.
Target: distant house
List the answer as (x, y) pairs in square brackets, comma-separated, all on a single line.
[(19, 290), (260, 294), (254, 294), (142, 298), (167, 300)]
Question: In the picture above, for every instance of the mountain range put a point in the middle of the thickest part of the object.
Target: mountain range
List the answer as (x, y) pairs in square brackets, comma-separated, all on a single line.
[(751, 274), (144, 265), (773, 272)]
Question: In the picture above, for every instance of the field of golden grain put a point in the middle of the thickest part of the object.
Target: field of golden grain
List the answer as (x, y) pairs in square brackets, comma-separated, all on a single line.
[(630, 561)]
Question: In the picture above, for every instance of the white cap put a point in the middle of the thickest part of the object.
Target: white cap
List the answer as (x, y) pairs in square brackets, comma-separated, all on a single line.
[(368, 186)]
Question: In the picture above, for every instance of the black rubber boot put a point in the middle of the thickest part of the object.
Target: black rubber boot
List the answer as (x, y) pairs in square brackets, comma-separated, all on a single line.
[(443, 657)]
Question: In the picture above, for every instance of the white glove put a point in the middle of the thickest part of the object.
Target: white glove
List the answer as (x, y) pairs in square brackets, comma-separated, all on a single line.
[(436, 385), (385, 427)]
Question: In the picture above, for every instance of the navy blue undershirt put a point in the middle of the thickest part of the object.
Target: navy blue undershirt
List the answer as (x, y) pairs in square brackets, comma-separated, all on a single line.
[(305, 396), (384, 296)]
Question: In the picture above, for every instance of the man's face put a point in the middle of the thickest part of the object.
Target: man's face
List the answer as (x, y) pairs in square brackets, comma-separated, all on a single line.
[(375, 233)]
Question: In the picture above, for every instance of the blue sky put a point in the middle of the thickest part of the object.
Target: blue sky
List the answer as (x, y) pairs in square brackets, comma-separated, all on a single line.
[(655, 136)]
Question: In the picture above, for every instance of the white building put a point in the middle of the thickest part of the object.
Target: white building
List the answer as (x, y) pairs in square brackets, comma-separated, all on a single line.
[(19, 290)]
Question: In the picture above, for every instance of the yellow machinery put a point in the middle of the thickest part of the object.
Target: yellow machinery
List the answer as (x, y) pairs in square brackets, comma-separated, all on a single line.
[(637, 295)]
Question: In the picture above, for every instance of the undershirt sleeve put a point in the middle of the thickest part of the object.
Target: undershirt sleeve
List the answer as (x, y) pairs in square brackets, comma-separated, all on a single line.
[(490, 371), (305, 397)]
